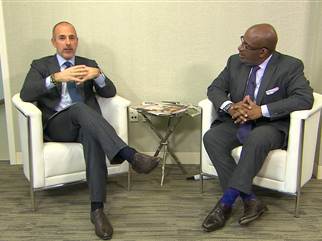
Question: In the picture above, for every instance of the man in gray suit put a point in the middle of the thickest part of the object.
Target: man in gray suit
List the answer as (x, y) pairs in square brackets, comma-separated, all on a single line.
[(63, 87), (253, 96)]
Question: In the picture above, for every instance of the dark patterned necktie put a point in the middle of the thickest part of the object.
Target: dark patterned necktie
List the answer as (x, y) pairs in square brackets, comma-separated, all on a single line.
[(72, 88), (244, 129)]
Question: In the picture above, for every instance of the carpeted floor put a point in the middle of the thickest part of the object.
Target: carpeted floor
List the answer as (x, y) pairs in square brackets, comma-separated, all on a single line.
[(150, 212)]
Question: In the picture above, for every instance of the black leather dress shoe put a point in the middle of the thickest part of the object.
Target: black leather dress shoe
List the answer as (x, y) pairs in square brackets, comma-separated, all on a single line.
[(253, 209), (144, 163), (216, 218), (103, 227)]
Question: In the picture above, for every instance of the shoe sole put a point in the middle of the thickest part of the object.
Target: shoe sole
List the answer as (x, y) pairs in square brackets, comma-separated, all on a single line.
[(105, 238), (250, 219), (211, 230)]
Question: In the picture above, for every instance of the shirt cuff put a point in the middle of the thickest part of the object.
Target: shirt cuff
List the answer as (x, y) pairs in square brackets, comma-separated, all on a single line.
[(49, 84), (227, 102), (265, 111), (100, 80)]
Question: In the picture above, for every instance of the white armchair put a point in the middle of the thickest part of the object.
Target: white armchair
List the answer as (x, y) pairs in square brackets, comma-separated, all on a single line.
[(283, 170), (53, 164)]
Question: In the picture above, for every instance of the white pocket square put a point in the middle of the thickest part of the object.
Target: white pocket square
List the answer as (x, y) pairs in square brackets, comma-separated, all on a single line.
[(272, 91)]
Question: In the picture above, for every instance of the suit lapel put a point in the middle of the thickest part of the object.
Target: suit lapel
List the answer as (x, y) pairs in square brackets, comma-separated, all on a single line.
[(53, 65), (79, 61), (267, 77)]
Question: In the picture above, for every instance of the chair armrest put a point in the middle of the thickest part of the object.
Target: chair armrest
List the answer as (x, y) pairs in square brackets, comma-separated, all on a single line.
[(26, 108), (303, 123), (114, 110), (31, 138), (304, 114), (208, 114)]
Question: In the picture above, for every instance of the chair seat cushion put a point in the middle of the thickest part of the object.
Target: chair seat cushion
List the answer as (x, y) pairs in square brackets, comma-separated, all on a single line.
[(58, 156), (274, 166)]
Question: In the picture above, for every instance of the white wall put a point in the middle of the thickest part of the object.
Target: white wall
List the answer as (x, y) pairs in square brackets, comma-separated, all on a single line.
[(1, 87), (160, 50), (4, 146)]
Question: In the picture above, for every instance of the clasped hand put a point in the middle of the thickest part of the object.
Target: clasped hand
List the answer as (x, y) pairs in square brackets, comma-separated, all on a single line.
[(78, 73), (245, 110)]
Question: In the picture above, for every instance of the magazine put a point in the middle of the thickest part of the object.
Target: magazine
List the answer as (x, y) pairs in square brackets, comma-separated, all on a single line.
[(166, 108)]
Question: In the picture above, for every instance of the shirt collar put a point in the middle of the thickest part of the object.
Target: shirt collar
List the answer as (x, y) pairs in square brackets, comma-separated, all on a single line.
[(264, 64), (61, 60)]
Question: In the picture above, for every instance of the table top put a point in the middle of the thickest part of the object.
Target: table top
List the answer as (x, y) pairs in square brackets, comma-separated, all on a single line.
[(167, 108)]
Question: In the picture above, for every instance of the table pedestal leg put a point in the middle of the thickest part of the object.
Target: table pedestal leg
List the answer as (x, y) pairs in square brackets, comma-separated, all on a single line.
[(172, 124), (164, 161)]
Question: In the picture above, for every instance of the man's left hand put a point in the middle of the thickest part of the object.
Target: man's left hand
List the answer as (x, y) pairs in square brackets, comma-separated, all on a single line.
[(255, 112), (91, 73)]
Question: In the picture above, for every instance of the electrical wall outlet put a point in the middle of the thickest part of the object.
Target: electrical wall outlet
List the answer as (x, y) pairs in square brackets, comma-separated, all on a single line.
[(133, 115)]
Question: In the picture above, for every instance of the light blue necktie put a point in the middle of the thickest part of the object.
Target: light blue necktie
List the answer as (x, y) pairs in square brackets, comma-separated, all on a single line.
[(72, 88)]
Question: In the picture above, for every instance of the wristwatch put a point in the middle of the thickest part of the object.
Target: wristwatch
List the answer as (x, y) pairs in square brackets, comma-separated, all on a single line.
[(52, 79), (226, 108)]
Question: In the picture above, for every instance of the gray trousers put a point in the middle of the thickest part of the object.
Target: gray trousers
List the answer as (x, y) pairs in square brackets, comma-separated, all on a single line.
[(221, 139), (80, 123)]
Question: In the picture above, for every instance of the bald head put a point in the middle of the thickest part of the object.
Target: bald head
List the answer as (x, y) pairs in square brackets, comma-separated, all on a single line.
[(61, 24), (263, 35), (257, 44)]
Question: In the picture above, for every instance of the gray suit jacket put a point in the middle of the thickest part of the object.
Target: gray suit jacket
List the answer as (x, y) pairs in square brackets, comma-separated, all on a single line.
[(283, 89), (34, 88)]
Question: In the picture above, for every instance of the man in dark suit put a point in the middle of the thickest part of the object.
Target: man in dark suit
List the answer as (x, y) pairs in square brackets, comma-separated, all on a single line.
[(63, 87), (253, 96)]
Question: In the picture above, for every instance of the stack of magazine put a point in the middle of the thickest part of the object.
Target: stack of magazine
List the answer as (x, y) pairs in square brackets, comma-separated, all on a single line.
[(166, 108)]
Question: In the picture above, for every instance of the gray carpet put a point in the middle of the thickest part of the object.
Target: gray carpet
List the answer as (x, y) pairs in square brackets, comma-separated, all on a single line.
[(150, 212)]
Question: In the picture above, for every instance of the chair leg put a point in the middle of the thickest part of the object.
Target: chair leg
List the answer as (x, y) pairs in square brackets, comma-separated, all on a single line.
[(299, 171), (32, 198), (297, 204), (201, 179), (129, 179)]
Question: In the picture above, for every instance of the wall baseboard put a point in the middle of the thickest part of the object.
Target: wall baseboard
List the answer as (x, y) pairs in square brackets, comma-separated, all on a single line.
[(184, 157), (319, 173), (18, 157)]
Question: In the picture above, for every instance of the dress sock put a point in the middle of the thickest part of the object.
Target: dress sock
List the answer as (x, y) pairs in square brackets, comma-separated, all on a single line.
[(229, 197), (127, 153), (96, 205)]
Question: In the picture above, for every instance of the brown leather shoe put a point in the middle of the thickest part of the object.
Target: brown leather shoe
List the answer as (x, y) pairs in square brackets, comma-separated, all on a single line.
[(216, 218), (143, 163), (253, 209), (103, 227)]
